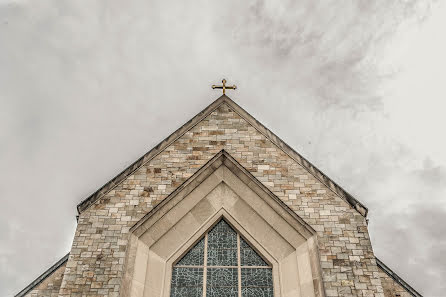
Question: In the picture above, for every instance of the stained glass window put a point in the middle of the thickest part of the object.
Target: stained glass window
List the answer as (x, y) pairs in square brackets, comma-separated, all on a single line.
[(222, 264)]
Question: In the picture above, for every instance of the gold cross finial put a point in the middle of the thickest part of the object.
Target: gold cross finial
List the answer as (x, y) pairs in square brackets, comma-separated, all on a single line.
[(224, 87)]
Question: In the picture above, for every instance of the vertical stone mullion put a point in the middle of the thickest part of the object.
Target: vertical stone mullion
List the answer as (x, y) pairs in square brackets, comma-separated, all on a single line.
[(239, 269), (205, 264)]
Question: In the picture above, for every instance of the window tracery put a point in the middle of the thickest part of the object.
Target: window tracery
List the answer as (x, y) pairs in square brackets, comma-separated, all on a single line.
[(222, 264)]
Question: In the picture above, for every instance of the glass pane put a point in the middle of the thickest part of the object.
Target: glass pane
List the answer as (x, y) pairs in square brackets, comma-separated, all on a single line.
[(257, 292), (186, 291), (257, 277), (195, 256), (222, 282), (222, 245), (186, 277), (221, 292), (248, 256), (222, 236), (222, 277), (221, 257)]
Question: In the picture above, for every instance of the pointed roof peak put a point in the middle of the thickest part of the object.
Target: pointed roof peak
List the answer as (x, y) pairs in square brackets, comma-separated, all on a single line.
[(224, 99)]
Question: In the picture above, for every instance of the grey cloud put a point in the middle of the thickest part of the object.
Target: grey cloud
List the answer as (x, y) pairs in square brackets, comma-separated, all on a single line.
[(418, 238), (75, 77)]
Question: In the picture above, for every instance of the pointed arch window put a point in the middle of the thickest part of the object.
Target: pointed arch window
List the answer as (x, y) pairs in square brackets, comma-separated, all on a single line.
[(222, 264)]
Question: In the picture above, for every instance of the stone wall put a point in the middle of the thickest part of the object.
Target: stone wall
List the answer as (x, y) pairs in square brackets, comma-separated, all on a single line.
[(96, 263), (50, 286)]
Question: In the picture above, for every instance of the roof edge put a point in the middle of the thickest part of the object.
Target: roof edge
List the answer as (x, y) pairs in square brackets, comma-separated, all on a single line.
[(43, 276), (396, 278), (318, 174), (149, 155)]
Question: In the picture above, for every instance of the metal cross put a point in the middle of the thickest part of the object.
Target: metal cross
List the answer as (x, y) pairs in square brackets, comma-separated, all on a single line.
[(224, 87)]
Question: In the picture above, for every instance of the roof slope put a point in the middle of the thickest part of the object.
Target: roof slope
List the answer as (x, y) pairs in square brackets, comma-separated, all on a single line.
[(251, 120), (397, 279), (43, 276)]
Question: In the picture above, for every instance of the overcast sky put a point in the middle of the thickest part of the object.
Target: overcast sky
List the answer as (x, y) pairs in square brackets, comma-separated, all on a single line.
[(357, 87)]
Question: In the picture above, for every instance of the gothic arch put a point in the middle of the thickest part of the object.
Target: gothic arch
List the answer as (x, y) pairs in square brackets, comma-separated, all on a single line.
[(221, 263), (222, 189)]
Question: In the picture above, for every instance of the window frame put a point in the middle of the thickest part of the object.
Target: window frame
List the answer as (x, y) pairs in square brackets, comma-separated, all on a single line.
[(239, 266)]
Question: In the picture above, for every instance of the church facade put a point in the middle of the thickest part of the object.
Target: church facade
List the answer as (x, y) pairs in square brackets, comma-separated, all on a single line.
[(221, 207)]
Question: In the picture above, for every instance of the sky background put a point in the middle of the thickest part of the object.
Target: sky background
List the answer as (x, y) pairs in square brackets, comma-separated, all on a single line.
[(357, 87)]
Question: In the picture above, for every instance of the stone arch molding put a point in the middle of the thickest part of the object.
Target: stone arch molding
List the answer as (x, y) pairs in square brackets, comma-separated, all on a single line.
[(222, 188)]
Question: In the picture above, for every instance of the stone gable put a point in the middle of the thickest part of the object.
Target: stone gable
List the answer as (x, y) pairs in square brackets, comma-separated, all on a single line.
[(97, 258)]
